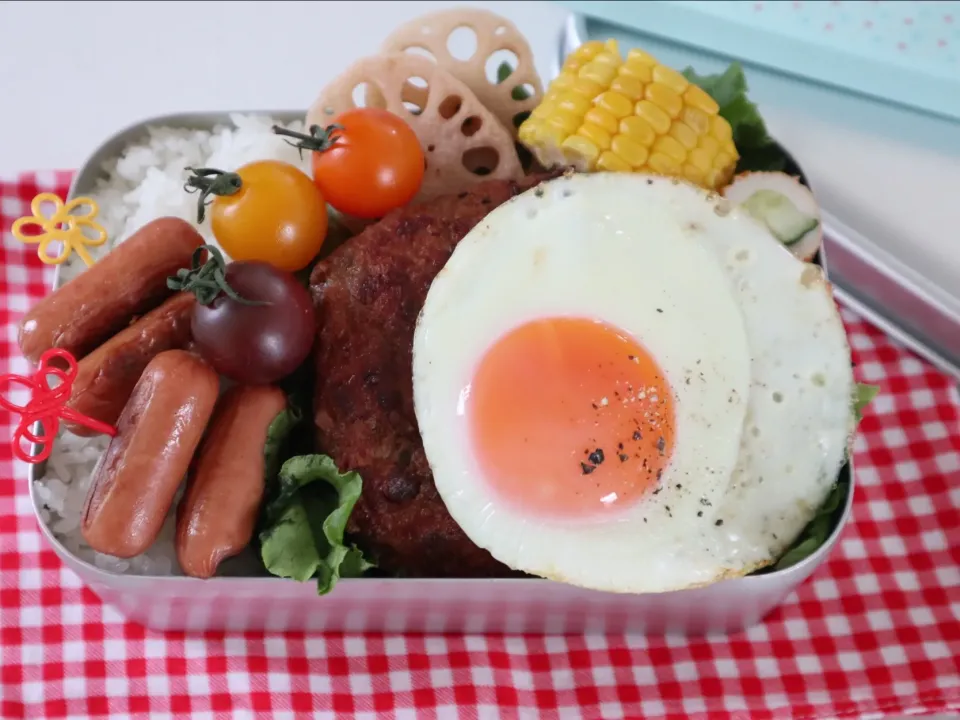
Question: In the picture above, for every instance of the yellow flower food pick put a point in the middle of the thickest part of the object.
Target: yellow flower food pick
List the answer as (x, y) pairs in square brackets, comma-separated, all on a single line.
[(62, 226)]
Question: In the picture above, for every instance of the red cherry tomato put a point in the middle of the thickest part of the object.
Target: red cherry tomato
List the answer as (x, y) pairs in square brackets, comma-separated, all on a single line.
[(367, 163)]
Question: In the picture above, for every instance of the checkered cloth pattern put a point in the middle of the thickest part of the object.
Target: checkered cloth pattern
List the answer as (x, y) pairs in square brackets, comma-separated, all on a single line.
[(875, 631)]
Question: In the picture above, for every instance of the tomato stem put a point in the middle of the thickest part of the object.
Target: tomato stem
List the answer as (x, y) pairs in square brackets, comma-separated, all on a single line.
[(319, 139), (207, 279), (209, 181)]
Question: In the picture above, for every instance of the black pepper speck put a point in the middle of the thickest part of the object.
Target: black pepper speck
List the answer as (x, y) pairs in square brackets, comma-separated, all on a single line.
[(718, 523), (596, 457), (586, 469)]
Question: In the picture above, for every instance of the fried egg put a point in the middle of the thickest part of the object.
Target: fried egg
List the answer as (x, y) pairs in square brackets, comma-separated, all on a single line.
[(625, 384)]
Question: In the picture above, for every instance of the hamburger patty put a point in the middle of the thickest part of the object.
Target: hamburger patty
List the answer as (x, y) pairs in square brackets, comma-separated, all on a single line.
[(368, 295)]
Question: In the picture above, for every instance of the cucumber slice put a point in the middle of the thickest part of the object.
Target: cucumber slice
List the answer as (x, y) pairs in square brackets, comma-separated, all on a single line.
[(780, 215)]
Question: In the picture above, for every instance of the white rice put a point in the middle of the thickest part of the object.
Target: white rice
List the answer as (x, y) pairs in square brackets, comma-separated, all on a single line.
[(144, 183)]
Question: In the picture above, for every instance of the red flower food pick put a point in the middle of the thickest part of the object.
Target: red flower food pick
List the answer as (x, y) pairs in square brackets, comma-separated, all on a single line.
[(46, 405)]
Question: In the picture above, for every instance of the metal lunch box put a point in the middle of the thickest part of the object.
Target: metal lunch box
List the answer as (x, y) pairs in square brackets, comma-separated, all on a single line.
[(443, 605)]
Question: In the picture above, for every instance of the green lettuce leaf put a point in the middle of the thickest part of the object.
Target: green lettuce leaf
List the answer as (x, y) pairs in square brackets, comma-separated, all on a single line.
[(279, 430), (819, 529), (862, 396), (757, 149), (306, 521)]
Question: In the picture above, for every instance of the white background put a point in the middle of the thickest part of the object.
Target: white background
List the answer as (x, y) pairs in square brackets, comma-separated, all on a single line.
[(73, 73)]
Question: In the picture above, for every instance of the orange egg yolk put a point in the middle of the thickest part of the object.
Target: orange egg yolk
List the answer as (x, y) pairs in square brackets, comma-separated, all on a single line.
[(569, 416)]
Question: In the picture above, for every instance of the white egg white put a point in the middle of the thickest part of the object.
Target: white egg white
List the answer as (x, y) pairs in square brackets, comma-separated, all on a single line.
[(799, 417), (761, 426)]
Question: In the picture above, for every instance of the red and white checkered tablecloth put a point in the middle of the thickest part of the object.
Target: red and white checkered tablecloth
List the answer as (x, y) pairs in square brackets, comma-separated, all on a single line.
[(875, 631)]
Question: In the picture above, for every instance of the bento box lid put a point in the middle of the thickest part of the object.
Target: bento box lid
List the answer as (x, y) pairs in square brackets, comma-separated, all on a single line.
[(898, 52)]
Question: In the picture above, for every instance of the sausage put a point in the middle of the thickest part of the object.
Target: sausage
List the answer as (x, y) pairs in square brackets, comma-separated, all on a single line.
[(130, 280), (133, 487), (106, 377), (216, 517)]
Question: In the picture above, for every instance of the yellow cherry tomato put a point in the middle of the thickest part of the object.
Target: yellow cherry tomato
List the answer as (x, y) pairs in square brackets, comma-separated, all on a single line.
[(267, 210)]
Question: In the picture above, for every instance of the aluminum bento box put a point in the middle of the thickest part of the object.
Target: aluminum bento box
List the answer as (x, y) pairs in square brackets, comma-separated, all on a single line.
[(414, 605)]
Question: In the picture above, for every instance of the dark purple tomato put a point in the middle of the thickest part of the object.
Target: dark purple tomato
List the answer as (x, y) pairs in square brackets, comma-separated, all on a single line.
[(256, 344)]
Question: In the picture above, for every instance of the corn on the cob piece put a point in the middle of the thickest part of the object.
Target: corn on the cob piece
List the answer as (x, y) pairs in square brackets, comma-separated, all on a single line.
[(604, 113)]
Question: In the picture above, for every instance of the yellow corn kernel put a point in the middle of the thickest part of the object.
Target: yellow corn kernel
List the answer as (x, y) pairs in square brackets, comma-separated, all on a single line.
[(694, 174), (638, 129), (615, 103), (671, 78), (664, 98), (715, 178), (671, 148), (628, 86), (684, 134), (563, 82), (554, 95), (529, 131), (566, 121), (573, 103), (595, 134), (711, 146), (657, 118), (583, 54), (700, 159), (722, 160), (638, 70), (720, 129), (609, 57), (542, 133), (664, 164), (696, 118), (586, 87), (598, 72), (638, 55), (696, 97), (612, 163), (588, 50), (630, 151), (545, 109), (579, 147), (602, 118)]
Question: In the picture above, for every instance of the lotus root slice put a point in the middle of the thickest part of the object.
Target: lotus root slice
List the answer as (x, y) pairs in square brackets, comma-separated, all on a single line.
[(431, 34)]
